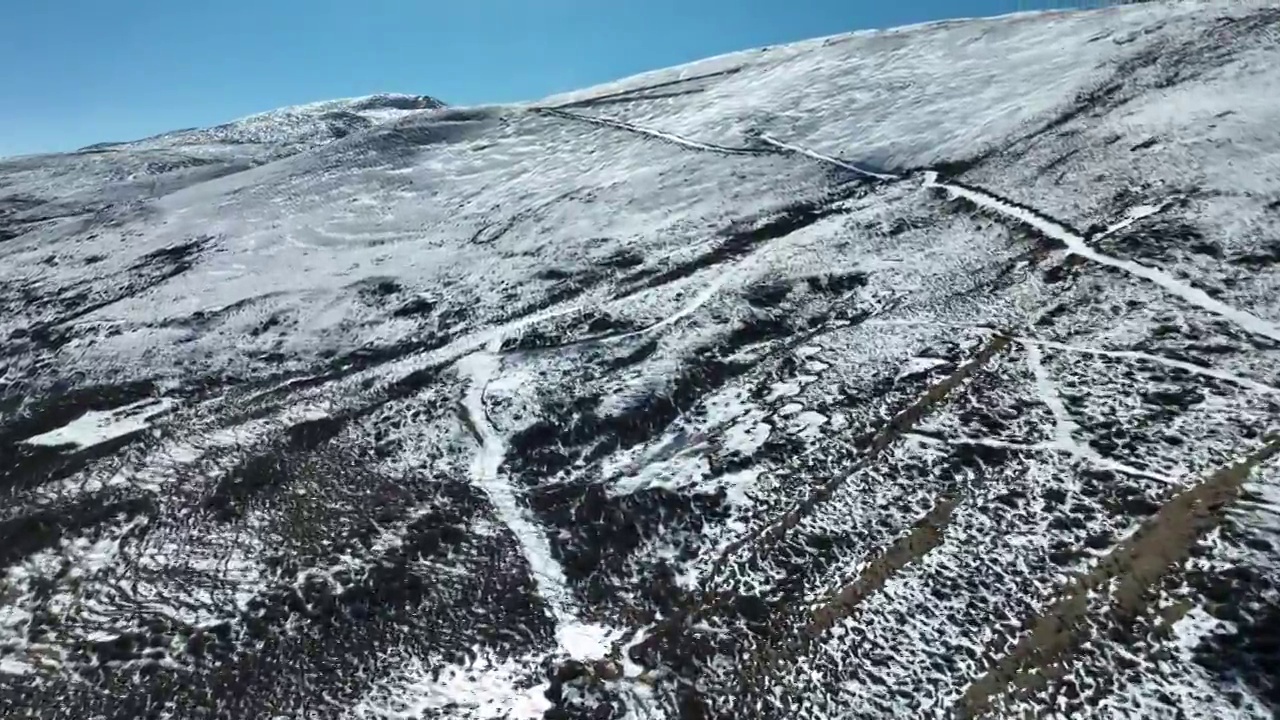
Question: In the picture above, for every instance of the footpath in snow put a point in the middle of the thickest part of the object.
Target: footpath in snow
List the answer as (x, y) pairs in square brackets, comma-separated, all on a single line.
[(576, 639), (1076, 245), (573, 637)]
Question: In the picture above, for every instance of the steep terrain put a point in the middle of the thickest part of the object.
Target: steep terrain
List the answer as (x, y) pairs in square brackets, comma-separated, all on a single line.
[(932, 372)]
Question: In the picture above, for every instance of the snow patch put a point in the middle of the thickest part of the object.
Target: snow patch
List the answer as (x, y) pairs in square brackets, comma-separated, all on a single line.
[(808, 424), (790, 409), (917, 365), (747, 437), (1133, 215), (726, 407), (586, 642), (788, 388), (735, 485), (97, 426), (488, 689), (672, 474)]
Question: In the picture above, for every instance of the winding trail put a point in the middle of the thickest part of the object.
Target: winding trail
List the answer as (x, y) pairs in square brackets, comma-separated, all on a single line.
[(573, 637), (1075, 242), (693, 306), (772, 145), (702, 298), (655, 134), (1076, 245)]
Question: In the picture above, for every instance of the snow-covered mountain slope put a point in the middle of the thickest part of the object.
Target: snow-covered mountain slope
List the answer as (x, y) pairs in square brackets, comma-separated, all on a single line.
[(932, 372)]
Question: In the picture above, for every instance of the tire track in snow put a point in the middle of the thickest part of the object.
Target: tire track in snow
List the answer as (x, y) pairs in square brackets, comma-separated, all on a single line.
[(707, 598), (655, 134), (882, 566), (702, 298), (575, 638), (1203, 371), (1131, 355), (797, 150), (773, 146), (924, 536), (638, 92), (1076, 245)]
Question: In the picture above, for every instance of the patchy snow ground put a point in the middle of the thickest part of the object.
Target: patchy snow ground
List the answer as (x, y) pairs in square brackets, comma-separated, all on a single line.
[(929, 372)]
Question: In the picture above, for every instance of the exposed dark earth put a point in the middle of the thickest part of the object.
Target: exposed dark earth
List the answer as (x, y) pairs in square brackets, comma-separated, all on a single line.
[(931, 372)]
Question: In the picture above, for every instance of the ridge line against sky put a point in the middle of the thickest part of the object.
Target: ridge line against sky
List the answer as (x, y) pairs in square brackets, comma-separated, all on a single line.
[(81, 72)]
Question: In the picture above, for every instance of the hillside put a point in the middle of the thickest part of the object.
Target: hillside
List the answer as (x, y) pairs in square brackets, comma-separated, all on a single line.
[(931, 372)]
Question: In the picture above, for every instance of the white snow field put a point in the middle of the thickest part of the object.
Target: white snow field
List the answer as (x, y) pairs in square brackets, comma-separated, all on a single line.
[(924, 373)]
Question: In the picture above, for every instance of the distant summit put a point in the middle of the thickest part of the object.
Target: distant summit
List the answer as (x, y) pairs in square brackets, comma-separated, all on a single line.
[(295, 126), (389, 101)]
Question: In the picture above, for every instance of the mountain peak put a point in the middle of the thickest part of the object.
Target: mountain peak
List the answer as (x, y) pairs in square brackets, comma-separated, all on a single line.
[(296, 127)]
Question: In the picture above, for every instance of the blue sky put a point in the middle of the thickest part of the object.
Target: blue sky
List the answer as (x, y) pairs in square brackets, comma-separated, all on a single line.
[(83, 71)]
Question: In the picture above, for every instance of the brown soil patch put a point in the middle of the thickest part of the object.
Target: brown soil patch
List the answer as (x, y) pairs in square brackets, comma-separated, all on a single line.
[(925, 535)]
